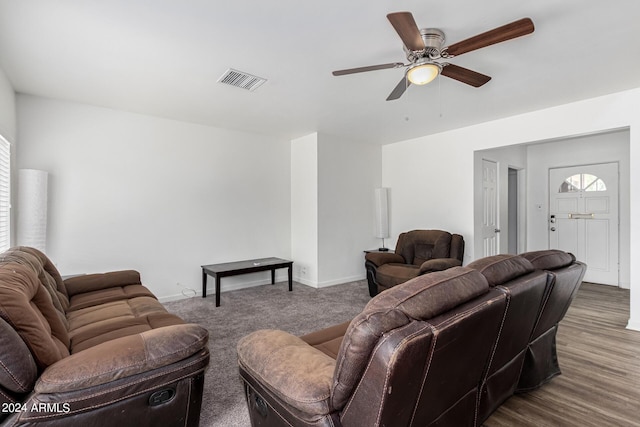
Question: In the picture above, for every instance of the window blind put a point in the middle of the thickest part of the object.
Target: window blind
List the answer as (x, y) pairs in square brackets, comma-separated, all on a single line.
[(5, 194)]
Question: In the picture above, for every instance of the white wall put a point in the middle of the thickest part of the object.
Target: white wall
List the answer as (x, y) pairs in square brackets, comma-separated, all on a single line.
[(332, 211), (304, 209), (431, 178), (7, 109), (156, 195), (349, 172), (431, 187), (599, 148), (8, 131)]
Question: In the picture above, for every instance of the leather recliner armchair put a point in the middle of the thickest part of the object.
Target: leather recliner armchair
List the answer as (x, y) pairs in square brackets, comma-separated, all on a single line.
[(417, 252)]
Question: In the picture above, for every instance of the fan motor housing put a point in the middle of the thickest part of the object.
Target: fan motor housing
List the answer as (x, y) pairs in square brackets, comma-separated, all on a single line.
[(433, 39)]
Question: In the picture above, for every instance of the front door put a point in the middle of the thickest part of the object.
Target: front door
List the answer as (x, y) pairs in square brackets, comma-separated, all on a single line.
[(490, 241), (583, 217)]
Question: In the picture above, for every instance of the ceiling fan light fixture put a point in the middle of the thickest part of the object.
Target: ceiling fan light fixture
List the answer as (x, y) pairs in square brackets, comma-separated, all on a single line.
[(422, 74)]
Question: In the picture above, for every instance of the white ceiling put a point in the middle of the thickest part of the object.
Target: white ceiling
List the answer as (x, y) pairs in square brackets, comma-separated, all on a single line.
[(163, 57)]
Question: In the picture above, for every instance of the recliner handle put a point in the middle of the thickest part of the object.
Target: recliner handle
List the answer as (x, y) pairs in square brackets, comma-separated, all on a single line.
[(162, 396), (261, 405)]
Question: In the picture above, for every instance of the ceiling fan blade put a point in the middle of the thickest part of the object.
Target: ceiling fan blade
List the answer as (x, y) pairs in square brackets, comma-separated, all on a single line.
[(399, 89), (407, 29), (464, 75), (506, 32), (369, 68)]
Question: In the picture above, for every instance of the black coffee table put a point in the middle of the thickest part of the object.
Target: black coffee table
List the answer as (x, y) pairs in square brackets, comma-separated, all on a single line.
[(244, 267)]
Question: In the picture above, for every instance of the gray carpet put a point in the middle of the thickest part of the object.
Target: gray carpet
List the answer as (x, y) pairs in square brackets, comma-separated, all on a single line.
[(299, 312)]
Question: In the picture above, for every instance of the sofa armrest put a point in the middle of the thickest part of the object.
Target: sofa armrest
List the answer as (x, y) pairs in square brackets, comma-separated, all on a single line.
[(439, 264), (95, 282), (380, 258), (123, 357), (298, 374)]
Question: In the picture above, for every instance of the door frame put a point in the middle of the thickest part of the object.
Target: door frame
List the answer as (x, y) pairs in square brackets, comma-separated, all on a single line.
[(521, 204), (503, 165), (617, 202), (496, 207)]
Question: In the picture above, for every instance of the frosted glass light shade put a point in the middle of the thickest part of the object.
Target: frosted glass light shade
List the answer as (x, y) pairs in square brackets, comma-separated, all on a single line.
[(423, 74), (32, 208), (382, 213)]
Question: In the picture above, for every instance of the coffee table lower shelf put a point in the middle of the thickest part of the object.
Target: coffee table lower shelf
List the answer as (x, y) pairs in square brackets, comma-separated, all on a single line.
[(227, 269)]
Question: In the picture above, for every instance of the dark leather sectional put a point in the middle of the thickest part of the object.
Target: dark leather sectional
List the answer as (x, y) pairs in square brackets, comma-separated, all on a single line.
[(445, 348)]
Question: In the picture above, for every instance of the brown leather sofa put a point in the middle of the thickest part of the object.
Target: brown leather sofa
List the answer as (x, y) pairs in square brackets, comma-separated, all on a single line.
[(96, 350), (445, 348), (541, 362), (417, 252)]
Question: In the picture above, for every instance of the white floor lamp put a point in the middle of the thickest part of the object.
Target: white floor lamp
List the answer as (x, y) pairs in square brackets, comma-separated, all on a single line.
[(32, 208), (382, 216)]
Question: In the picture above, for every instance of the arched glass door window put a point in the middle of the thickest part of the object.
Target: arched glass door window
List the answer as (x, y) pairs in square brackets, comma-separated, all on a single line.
[(582, 182)]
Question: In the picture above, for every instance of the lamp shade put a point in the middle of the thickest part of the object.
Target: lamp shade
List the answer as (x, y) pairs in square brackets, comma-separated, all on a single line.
[(32, 208), (423, 73), (381, 213)]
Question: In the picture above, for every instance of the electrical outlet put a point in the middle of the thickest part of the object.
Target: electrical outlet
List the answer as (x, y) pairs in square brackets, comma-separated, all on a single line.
[(303, 270)]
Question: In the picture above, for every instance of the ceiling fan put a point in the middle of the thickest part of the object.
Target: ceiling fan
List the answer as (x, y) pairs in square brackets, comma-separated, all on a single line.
[(424, 48)]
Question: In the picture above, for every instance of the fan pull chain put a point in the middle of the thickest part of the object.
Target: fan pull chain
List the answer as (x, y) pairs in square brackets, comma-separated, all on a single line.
[(406, 97), (440, 95)]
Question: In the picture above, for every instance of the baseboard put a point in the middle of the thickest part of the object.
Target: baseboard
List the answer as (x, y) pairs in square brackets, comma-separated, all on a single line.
[(177, 297), (633, 325), (190, 293), (305, 282), (328, 283), (341, 281)]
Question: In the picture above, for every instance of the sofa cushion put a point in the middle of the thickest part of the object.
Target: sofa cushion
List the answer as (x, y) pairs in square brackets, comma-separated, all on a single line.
[(301, 378), (93, 325), (422, 252), (389, 275), (44, 269), (327, 340), (99, 281), (439, 264), (429, 295), (417, 246), (123, 357), (27, 306), (499, 269), (421, 298), (18, 371), (549, 259), (103, 296)]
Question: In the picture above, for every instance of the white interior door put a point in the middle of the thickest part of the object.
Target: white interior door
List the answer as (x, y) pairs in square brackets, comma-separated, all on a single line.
[(490, 228), (583, 217)]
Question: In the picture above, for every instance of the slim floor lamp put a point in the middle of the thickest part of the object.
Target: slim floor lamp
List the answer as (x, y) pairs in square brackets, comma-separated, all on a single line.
[(32, 208), (382, 216)]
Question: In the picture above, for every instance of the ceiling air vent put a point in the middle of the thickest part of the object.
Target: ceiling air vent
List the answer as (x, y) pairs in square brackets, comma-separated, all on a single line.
[(241, 79)]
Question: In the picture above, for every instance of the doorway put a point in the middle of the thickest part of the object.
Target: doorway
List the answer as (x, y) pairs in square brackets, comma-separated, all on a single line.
[(489, 230), (534, 161), (584, 217)]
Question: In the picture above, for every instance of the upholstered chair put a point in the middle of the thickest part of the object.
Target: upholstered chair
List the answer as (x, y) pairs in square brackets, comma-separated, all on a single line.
[(417, 252)]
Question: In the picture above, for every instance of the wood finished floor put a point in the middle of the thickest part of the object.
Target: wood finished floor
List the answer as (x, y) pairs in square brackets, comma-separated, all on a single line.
[(600, 362)]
